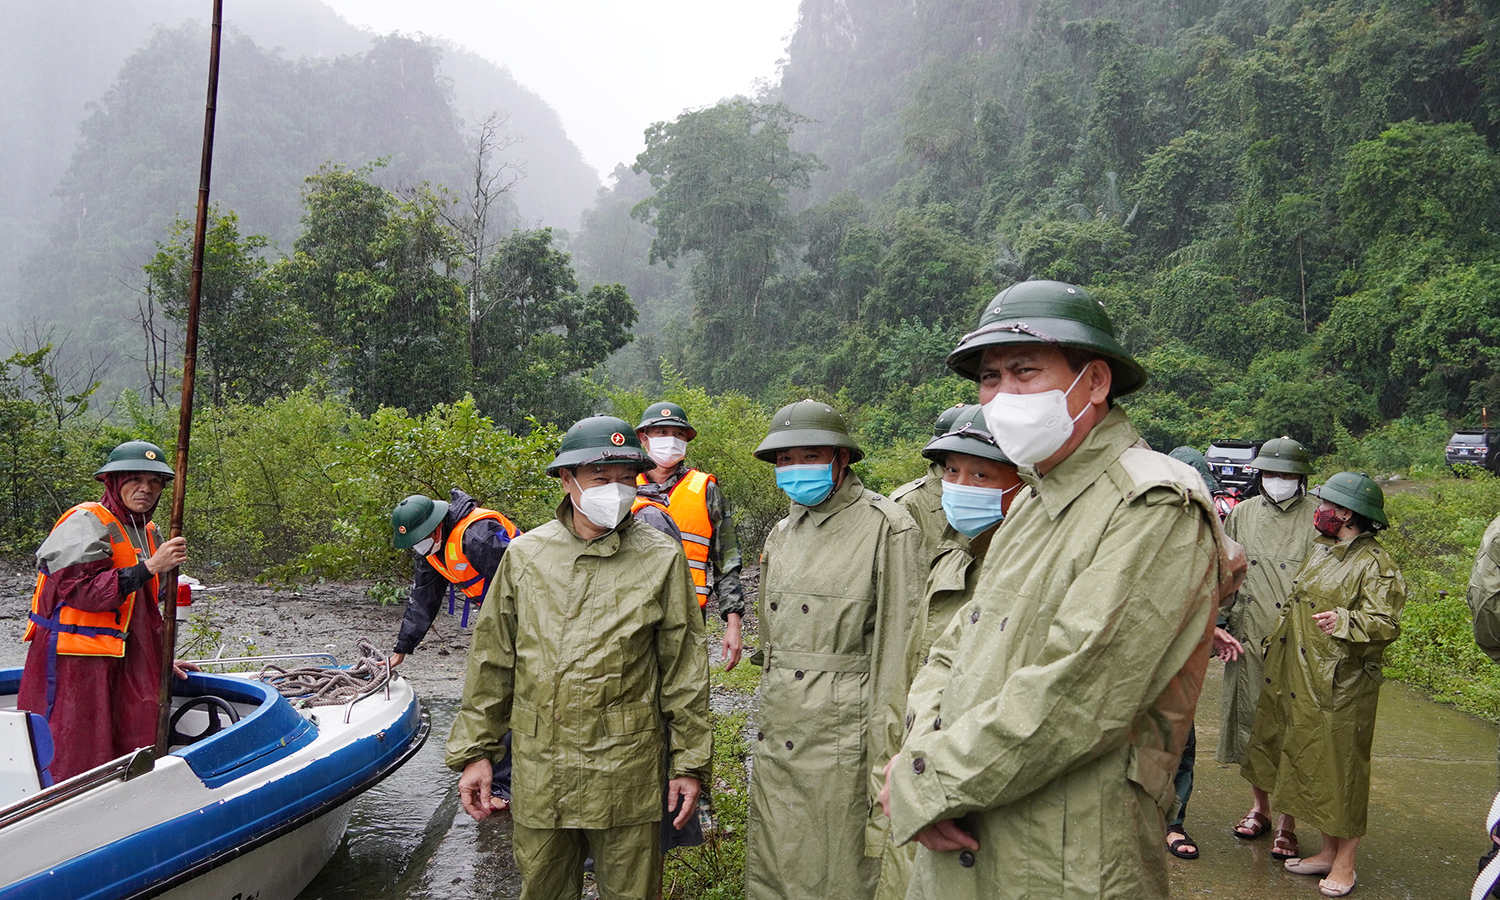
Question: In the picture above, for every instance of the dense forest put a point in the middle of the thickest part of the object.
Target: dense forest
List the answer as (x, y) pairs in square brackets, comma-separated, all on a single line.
[(1289, 209)]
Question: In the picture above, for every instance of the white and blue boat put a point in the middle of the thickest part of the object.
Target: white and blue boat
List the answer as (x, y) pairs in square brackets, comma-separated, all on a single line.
[(248, 809)]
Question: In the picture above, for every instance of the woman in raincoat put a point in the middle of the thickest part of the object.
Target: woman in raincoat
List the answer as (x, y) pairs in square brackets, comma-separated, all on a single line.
[(1310, 745)]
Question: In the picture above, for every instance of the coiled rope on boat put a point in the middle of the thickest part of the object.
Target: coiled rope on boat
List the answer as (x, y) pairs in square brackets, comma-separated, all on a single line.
[(330, 686)]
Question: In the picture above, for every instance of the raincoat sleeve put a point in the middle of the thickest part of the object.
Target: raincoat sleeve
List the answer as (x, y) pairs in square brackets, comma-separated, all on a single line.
[(1376, 616), (1151, 581), (422, 606), (489, 683), (724, 554), (77, 554), (899, 585), (1484, 592), (682, 654)]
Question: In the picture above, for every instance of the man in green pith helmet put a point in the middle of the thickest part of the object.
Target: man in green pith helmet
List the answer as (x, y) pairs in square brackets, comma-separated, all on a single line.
[(923, 497), (1045, 729), (457, 545), (1276, 529), (840, 595), (701, 511), (978, 486), (588, 648)]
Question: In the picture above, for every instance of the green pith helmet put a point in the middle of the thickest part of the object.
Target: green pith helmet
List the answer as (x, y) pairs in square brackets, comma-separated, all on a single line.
[(1284, 456), (1047, 312), (414, 519), (944, 423), (136, 456), (807, 423), (969, 434), (666, 414), (1358, 492), (600, 439)]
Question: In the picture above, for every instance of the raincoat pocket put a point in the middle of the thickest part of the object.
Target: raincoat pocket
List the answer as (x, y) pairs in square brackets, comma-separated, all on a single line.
[(523, 720), (631, 718)]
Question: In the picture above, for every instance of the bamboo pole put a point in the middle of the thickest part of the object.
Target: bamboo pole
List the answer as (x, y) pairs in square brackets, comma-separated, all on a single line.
[(189, 367)]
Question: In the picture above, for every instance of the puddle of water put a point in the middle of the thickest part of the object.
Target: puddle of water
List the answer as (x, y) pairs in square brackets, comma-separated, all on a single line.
[(408, 838), (1433, 776)]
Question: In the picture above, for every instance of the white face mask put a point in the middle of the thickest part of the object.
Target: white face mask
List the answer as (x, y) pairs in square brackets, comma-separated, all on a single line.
[(607, 505), (667, 450), (424, 547), (1029, 428), (1278, 488)]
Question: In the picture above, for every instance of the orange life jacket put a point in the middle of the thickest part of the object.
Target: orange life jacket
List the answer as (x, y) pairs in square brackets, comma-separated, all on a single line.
[(687, 504), (81, 633), (453, 565)]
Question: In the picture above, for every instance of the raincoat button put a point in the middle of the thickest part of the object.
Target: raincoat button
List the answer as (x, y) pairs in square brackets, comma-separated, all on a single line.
[(937, 724), (789, 745), (773, 606), (1294, 695), (1268, 681), (1283, 640), (909, 718), (919, 765), (1278, 606), (760, 735), (1254, 562), (966, 859), (804, 607), (973, 617), (797, 674)]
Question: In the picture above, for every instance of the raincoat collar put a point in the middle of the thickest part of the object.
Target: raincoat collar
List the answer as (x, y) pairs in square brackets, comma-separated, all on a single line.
[(851, 490), (1289, 503), (606, 545), (1341, 550), (1086, 465)]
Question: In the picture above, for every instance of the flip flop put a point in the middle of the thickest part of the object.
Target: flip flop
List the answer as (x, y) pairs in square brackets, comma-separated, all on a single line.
[(1174, 847), (1297, 866), (1334, 889), (1253, 820), (1284, 845)]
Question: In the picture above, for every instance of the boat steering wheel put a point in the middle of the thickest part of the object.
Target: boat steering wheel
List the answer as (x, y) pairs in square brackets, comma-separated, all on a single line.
[(213, 706)]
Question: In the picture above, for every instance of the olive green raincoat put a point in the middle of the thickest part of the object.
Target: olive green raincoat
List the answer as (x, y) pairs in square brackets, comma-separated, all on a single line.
[(950, 585), (1310, 747), (923, 499), (841, 591), (1051, 715), (1484, 592), (1277, 538), (584, 650)]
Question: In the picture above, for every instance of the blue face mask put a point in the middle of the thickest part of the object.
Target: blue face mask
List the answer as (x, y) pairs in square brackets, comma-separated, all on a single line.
[(807, 485), (970, 510)]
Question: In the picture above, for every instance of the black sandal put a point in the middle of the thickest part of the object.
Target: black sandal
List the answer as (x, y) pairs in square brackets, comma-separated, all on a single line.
[(1175, 847)]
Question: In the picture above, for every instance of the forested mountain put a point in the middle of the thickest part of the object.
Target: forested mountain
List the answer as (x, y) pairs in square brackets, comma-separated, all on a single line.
[(1288, 208), (85, 205)]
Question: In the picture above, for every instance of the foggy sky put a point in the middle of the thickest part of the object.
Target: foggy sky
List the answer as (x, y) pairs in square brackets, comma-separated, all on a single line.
[(609, 68)]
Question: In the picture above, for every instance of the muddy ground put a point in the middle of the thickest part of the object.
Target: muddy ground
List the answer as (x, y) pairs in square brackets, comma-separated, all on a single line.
[(247, 619)]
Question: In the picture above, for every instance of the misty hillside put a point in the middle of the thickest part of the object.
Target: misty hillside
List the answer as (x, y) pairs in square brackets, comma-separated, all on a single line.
[(102, 117), (1290, 209)]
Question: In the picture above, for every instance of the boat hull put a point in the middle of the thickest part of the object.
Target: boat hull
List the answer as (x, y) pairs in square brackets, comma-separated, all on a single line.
[(253, 811)]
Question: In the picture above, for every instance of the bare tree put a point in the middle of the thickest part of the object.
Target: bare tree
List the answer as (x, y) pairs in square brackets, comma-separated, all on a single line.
[(60, 381), (472, 215), (157, 347)]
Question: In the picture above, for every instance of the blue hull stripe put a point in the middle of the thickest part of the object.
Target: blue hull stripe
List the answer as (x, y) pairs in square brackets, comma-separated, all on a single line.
[(155, 859)]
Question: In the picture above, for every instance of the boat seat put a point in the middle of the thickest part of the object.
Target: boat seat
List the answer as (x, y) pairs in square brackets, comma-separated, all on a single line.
[(25, 753)]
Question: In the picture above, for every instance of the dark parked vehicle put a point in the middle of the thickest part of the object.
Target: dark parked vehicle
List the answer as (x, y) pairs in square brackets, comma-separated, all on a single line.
[(1475, 446), (1230, 461)]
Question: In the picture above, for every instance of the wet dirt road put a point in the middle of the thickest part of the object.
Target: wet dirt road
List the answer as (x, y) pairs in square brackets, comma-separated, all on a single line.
[(1433, 777)]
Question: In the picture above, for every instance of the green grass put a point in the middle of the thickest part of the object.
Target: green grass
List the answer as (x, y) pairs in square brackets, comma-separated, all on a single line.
[(716, 870)]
